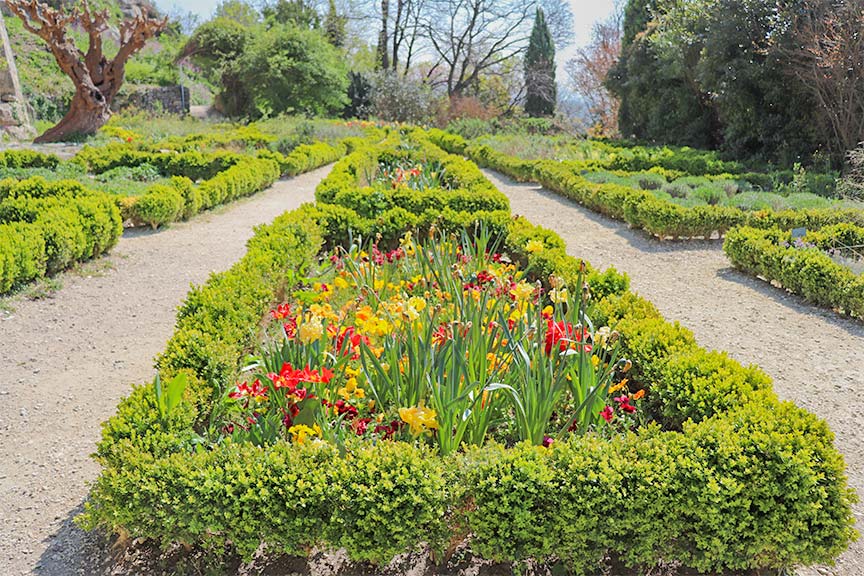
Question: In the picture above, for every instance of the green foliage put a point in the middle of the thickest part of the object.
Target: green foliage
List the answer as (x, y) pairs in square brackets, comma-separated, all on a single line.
[(288, 69), (159, 205), (807, 271), (48, 226), (654, 213)]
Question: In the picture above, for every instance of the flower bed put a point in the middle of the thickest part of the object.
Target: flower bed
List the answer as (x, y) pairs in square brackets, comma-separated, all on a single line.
[(640, 208), (712, 472), (802, 266)]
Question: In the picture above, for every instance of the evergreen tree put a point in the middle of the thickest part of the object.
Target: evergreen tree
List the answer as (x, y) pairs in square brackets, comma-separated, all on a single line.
[(540, 84), (334, 26)]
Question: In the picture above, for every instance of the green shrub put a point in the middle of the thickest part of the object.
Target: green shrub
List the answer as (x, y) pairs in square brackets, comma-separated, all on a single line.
[(159, 205), (809, 272)]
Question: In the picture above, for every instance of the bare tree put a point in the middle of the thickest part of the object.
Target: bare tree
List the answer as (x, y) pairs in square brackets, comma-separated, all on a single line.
[(828, 59), (467, 38), (97, 79), (587, 72)]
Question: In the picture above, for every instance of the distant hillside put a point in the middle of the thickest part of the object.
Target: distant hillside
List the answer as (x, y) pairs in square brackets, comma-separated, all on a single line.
[(48, 90)]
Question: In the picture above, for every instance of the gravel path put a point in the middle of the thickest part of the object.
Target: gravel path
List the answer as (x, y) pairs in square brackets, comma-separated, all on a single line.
[(66, 360), (815, 356)]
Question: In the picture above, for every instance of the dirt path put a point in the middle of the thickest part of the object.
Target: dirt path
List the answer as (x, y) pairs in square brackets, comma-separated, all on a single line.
[(814, 356), (65, 361)]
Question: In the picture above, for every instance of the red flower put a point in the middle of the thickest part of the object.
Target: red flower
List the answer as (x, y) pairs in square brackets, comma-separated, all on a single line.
[(290, 328), (281, 312), (624, 404), (547, 441), (246, 390), (354, 340), (563, 334), (360, 425), (607, 413), (558, 333), (441, 335)]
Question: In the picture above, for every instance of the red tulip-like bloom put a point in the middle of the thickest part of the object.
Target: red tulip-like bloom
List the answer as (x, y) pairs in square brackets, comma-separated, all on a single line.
[(607, 414)]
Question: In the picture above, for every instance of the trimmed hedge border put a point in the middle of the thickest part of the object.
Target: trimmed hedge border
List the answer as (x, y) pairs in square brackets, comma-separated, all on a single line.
[(46, 227), (226, 175), (808, 272), (639, 208), (729, 479)]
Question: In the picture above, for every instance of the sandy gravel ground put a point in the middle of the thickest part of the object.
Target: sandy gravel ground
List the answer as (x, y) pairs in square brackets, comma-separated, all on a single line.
[(66, 360), (815, 356)]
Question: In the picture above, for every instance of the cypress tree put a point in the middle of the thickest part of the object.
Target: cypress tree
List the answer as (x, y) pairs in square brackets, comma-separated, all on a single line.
[(334, 26), (540, 84)]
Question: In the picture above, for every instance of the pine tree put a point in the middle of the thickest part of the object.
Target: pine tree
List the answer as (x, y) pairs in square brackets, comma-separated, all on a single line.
[(540, 84)]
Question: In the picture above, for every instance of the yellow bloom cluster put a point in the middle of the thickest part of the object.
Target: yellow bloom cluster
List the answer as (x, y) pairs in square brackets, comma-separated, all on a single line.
[(420, 419)]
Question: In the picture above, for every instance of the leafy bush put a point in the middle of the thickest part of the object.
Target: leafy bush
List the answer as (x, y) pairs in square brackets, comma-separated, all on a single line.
[(809, 272), (48, 226)]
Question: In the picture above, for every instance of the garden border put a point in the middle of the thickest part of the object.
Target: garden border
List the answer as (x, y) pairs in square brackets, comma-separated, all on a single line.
[(735, 480), (810, 273), (639, 208)]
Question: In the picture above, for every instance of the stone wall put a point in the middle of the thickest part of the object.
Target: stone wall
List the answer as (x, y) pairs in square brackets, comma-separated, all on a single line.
[(165, 99)]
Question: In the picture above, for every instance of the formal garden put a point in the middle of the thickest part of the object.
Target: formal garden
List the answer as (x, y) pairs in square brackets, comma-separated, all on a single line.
[(402, 373)]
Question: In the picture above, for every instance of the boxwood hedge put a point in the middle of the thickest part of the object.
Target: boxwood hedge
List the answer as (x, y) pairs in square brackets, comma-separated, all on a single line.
[(640, 208), (805, 269), (728, 478), (48, 226)]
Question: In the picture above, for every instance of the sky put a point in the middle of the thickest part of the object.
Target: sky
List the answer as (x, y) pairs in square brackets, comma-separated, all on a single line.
[(585, 14)]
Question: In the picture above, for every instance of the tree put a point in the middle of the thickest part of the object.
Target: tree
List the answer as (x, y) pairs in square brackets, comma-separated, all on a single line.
[(217, 47), (468, 38), (588, 71), (289, 69), (238, 11), (299, 13), (96, 78), (541, 91), (334, 26), (359, 96), (827, 57), (657, 103)]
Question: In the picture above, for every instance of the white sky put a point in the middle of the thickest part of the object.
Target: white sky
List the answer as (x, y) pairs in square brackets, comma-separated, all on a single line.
[(585, 14)]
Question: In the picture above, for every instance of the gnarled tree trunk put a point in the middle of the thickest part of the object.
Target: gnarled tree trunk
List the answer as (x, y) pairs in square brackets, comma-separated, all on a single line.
[(97, 79)]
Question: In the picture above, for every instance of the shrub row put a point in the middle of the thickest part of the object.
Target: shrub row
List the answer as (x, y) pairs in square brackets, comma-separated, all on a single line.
[(193, 164), (27, 159), (247, 175), (808, 272), (731, 479), (639, 208), (48, 226)]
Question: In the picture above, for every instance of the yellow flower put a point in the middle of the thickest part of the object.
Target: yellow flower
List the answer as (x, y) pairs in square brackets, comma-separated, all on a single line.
[(617, 387), (534, 246), (300, 432), (559, 295), (419, 304), (311, 330), (419, 419), (340, 283), (522, 291), (351, 390), (595, 360)]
